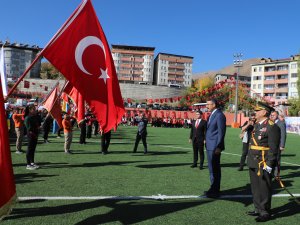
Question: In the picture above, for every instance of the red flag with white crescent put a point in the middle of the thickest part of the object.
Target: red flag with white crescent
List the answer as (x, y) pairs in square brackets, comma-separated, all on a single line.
[(81, 53)]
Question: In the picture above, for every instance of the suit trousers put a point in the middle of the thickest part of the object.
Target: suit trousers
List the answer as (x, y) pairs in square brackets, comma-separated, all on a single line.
[(261, 187), (105, 141), (137, 141), (244, 154), (214, 168), (198, 148)]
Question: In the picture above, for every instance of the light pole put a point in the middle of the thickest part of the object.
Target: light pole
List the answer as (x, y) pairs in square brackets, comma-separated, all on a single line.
[(237, 62)]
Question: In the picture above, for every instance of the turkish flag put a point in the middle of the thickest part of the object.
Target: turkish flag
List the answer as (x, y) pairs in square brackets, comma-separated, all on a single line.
[(52, 104), (7, 181), (78, 100), (81, 53)]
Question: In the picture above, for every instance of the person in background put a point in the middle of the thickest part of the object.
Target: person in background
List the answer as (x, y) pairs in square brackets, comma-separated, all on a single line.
[(18, 118), (32, 122), (197, 138), (246, 130), (141, 133), (105, 141), (82, 127), (280, 122), (214, 141), (68, 132), (262, 157), (47, 127)]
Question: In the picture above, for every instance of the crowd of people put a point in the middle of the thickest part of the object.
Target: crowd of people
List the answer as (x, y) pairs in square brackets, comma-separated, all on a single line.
[(263, 137)]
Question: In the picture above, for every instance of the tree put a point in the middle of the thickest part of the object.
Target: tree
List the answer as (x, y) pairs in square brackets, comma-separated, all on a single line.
[(48, 71), (204, 82)]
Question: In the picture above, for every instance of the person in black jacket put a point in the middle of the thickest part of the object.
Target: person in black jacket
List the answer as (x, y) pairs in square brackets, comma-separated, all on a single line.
[(105, 141), (247, 129), (141, 133), (197, 137)]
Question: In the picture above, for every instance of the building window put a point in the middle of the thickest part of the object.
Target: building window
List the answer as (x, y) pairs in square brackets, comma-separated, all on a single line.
[(294, 75), (260, 69), (293, 84), (259, 86), (256, 77), (294, 66), (254, 86), (254, 69)]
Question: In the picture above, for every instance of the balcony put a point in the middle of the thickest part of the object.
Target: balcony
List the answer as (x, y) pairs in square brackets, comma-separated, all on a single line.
[(281, 81), (269, 91), (282, 90), (269, 82)]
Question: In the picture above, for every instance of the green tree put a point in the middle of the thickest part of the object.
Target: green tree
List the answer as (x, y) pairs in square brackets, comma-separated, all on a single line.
[(48, 71)]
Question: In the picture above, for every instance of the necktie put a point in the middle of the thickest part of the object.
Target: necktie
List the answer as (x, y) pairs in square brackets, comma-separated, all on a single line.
[(197, 123)]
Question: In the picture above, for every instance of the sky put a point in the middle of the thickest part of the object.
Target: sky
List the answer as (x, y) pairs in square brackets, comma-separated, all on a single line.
[(211, 31)]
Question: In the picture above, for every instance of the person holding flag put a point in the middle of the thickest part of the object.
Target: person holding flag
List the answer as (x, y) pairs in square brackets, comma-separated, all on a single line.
[(7, 182)]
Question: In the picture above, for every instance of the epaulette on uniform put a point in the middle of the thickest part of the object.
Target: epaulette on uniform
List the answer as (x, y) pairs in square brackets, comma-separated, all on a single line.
[(271, 123)]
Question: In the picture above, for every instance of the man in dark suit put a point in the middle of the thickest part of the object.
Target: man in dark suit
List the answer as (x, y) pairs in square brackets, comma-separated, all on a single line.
[(262, 157), (214, 141), (197, 138), (281, 124), (141, 133)]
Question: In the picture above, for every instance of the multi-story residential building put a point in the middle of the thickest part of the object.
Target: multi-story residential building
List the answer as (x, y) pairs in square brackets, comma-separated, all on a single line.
[(173, 69), (134, 64), (242, 78), (276, 80), (17, 57)]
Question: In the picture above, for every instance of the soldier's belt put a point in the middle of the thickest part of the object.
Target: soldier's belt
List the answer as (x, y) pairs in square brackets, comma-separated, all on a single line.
[(260, 148)]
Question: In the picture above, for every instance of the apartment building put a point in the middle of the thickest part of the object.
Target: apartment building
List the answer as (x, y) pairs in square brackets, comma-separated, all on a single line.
[(246, 80), (134, 64), (17, 57), (170, 69), (276, 80)]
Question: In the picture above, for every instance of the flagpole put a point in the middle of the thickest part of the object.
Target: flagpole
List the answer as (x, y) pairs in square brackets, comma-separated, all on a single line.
[(41, 53)]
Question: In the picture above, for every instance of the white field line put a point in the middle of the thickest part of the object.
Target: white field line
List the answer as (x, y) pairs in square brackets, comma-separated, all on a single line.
[(152, 197), (224, 152)]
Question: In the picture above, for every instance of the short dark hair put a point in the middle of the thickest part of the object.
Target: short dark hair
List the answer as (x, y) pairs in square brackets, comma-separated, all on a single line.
[(215, 101), (200, 112)]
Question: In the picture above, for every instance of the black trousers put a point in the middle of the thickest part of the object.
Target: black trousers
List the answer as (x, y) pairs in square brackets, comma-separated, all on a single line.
[(198, 148), (32, 142), (105, 141), (46, 132), (137, 141), (244, 154), (89, 131), (261, 187), (82, 135)]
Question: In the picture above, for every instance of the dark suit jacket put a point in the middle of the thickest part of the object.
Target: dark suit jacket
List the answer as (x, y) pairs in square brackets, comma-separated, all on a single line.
[(199, 132), (282, 126), (215, 133)]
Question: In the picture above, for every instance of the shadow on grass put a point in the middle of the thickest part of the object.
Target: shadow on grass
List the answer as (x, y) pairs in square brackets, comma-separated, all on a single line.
[(168, 153), (287, 155), (23, 178), (125, 212), (153, 166)]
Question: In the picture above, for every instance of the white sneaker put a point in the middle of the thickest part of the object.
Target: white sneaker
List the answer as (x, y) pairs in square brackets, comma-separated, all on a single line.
[(35, 165), (19, 152), (30, 167)]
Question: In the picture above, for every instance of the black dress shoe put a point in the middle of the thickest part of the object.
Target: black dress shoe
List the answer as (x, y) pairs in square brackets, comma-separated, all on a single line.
[(212, 194), (201, 167), (240, 169), (263, 218), (193, 166), (252, 213)]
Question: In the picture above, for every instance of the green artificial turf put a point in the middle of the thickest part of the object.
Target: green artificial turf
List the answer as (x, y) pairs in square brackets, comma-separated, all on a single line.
[(165, 170)]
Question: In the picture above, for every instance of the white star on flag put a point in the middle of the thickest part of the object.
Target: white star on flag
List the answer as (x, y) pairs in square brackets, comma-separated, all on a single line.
[(104, 75)]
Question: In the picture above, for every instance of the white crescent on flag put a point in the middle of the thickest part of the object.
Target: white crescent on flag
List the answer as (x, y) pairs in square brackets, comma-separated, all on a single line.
[(82, 45)]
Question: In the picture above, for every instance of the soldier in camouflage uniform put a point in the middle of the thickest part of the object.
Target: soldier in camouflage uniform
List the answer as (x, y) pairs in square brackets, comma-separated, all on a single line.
[(262, 155)]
